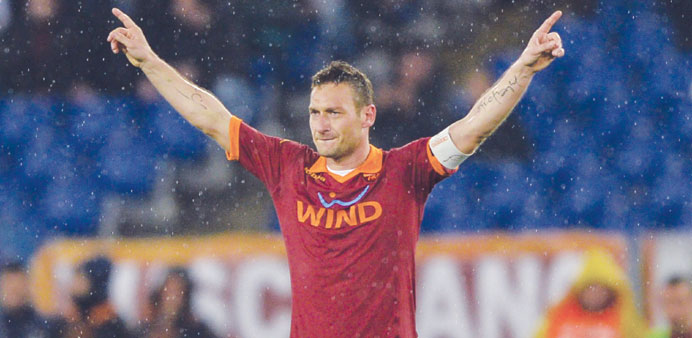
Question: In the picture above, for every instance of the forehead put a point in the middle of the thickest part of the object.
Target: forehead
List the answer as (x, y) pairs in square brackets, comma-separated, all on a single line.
[(331, 95), (681, 289)]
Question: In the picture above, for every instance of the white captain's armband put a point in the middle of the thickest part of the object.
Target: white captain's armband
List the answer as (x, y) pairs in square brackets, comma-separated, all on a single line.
[(445, 151)]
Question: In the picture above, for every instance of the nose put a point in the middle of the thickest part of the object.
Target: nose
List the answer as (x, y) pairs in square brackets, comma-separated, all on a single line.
[(321, 123)]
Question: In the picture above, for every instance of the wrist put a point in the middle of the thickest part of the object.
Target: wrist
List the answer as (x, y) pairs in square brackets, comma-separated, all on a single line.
[(150, 63), (523, 69)]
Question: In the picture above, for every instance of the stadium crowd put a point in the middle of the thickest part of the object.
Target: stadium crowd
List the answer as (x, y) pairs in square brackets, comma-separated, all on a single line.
[(89, 148), (91, 313)]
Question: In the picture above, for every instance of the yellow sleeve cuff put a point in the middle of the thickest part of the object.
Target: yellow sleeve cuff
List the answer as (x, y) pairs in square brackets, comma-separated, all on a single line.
[(233, 153)]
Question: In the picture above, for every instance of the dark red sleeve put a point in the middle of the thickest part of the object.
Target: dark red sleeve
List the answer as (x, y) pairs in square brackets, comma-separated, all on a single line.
[(260, 154), (424, 169)]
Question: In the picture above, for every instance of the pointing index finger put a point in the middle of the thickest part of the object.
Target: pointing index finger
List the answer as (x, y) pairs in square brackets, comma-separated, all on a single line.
[(549, 22), (124, 18)]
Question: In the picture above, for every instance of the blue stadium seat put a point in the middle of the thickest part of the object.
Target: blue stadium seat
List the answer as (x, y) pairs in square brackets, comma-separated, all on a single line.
[(538, 211), (686, 217), (506, 196), (681, 127), (239, 97), (174, 136), (21, 232), (612, 14), (501, 61), (583, 77), (92, 121), (668, 75), (9, 160), (127, 162), (616, 209), (584, 200), (447, 208), (536, 110), (44, 153), (636, 162), (299, 56), (647, 36), (22, 116), (71, 205), (615, 114), (671, 191), (442, 215)]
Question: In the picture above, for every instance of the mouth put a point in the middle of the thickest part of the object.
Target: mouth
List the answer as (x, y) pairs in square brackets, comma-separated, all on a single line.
[(326, 139)]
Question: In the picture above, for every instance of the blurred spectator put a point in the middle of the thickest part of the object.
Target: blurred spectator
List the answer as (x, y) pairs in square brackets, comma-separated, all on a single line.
[(414, 97), (169, 314), (5, 15), (19, 319), (92, 314), (679, 13), (335, 23), (599, 304), (82, 42), (31, 49), (191, 33), (385, 23), (677, 306)]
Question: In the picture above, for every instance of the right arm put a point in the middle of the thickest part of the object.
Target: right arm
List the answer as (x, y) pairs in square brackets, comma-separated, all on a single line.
[(196, 105)]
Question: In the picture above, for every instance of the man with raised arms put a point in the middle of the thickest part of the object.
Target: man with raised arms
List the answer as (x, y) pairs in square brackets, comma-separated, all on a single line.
[(350, 213)]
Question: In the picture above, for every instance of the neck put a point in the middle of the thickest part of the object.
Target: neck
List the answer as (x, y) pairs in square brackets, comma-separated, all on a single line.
[(352, 160)]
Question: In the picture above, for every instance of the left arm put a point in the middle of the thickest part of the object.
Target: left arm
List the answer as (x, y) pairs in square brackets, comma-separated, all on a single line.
[(488, 113)]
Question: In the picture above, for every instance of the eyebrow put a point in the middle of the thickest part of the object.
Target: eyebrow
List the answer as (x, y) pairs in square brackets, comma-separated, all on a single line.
[(330, 109)]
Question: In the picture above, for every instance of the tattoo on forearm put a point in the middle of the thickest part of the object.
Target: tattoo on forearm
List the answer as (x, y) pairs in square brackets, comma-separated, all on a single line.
[(196, 97), (182, 94), (496, 94)]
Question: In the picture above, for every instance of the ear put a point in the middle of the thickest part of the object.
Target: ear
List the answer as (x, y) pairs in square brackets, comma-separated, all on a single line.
[(368, 115)]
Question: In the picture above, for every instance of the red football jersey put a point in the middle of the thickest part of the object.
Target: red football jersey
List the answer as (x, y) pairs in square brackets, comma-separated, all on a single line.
[(350, 240)]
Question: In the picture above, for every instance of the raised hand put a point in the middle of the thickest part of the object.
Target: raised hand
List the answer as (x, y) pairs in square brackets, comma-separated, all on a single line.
[(544, 46), (130, 40)]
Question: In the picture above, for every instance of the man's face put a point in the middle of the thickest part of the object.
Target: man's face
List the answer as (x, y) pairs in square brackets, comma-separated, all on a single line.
[(336, 125), (80, 285), (677, 303), (596, 297), (14, 290)]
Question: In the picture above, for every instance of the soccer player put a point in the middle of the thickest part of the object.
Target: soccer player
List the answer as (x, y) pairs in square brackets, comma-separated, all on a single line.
[(349, 212)]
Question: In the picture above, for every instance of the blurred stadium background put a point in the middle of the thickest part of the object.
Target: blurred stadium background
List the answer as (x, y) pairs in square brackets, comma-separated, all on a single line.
[(601, 143)]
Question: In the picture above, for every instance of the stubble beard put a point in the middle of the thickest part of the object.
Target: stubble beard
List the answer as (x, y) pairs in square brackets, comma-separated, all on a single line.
[(337, 151), (332, 152)]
